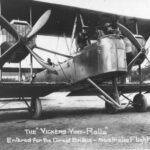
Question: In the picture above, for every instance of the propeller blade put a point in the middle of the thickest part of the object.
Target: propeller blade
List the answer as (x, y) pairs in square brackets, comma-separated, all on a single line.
[(5, 56), (147, 45), (53, 52), (5, 24), (41, 62), (39, 24), (134, 59), (147, 58), (130, 36)]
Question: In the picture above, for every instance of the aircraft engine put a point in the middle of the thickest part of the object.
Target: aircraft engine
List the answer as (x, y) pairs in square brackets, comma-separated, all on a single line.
[(22, 42), (22, 28)]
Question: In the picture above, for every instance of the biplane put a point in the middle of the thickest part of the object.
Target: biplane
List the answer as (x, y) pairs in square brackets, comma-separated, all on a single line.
[(98, 69)]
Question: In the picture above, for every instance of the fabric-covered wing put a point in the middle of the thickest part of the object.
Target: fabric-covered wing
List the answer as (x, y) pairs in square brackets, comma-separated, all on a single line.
[(62, 16)]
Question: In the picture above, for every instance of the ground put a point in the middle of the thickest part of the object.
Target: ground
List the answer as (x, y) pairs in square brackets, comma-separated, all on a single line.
[(77, 123)]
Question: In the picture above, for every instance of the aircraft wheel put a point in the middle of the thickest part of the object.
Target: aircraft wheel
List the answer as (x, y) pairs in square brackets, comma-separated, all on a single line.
[(36, 108), (140, 103), (109, 108)]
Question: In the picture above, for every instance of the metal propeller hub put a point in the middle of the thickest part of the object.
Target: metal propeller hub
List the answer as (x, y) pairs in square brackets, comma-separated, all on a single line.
[(23, 40), (143, 50)]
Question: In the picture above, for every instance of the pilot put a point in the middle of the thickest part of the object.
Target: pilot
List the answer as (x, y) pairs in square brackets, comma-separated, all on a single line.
[(50, 62), (110, 28), (82, 38)]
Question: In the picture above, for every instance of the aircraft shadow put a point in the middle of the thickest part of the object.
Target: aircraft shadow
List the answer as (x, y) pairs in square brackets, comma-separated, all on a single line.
[(60, 113), (83, 112), (14, 115)]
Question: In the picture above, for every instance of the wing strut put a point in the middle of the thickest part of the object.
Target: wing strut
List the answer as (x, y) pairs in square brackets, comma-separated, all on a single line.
[(82, 22), (50, 51), (73, 32), (40, 61)]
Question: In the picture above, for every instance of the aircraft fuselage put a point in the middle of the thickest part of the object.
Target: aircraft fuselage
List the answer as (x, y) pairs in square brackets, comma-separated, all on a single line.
[(101, 61)]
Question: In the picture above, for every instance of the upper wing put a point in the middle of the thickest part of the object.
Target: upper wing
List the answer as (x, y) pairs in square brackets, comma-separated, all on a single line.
[(94, 13), (130, 8)]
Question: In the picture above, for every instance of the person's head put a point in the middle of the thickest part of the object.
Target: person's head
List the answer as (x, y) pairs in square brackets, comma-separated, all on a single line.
[(108, 26), (48, 60)]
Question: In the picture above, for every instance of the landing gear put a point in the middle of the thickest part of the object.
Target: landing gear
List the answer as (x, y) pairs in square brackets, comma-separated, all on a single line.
[(110, 108), (36, 108), (112, 103), (140, 103)]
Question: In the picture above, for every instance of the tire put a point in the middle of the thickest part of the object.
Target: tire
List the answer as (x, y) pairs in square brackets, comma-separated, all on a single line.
[(110, 108), (140, 103), (36, 108)]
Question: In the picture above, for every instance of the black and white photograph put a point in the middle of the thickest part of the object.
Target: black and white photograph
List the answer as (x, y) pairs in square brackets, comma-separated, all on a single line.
[(74, 75)]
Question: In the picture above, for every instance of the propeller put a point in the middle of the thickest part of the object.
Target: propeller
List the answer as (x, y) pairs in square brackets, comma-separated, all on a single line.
[(141, 49), (39, 24), (23, 41), (5, 56), (5, 24)]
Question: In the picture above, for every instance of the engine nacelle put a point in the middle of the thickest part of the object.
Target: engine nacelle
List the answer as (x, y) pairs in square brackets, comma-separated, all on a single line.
[(22, 28)]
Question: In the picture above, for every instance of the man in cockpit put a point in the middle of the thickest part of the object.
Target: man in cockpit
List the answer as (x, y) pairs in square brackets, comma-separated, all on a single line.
[(82, 38)]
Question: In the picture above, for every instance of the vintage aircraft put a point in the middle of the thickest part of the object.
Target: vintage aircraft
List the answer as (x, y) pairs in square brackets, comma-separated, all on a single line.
[(87, 72)]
